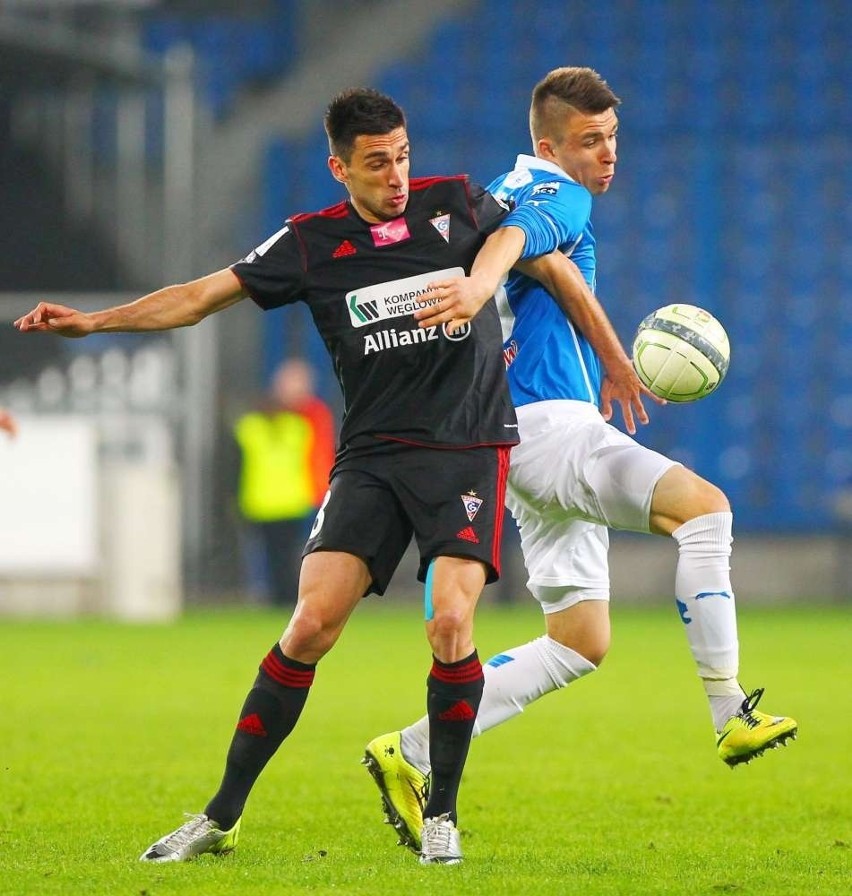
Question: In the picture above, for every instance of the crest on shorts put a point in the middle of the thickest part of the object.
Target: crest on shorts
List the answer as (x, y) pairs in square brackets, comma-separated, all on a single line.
[(471, 504)]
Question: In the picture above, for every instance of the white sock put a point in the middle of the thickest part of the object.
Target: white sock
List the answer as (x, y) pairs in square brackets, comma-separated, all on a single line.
[(513, 679), (723, 706), (705, 600)]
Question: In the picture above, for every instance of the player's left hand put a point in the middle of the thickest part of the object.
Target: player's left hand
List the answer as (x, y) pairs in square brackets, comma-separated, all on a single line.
[(626, 389), (453, 302)]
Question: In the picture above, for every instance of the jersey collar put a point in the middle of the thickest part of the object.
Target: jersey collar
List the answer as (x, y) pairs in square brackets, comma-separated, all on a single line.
[(534, 162)]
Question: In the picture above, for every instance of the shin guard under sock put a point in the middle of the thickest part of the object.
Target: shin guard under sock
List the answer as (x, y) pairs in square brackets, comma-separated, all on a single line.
[(269, 714), (454, 691)]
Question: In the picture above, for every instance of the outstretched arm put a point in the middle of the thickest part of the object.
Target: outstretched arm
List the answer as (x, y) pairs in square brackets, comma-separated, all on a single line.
[(173, 306), (566, 284)]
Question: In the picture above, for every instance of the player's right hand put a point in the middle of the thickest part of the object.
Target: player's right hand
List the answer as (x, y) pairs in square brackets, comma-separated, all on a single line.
[(49, 318), (624, 388), (452, 302)]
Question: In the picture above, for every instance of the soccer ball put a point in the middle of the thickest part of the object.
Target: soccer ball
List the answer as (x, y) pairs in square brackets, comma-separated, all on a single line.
[(681, 352)]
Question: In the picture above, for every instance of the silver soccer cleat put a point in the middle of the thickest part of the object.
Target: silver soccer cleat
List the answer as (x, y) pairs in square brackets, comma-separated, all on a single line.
[(440, 842), (198, 835)]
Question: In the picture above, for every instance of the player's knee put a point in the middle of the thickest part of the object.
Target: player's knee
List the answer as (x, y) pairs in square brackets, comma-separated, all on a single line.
[(448, 623), (591, 645), (594, 649), (583, 627), (596, 654), (708, 498), (309, 636), (681, 496), (448, 631)]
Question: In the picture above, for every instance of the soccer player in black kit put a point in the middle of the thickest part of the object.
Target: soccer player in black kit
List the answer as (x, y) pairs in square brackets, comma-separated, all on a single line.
[(424, 444)]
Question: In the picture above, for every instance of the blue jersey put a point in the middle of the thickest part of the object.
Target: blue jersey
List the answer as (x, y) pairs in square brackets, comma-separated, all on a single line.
[(546, 355)]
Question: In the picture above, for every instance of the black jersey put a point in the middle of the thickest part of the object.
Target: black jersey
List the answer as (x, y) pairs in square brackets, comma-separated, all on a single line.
[(360, 280)]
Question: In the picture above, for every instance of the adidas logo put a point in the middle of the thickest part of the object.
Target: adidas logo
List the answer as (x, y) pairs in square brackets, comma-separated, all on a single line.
[(252, 725), (458, 712), (467, 534), (344, 249)]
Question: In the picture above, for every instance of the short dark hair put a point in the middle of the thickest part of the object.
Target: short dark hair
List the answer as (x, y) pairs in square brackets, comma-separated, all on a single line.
[(359, 111), (581, 89)]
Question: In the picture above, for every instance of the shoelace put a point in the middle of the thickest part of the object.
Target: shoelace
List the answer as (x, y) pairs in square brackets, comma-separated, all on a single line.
[(749, 704), (186, 833), (437, 834)]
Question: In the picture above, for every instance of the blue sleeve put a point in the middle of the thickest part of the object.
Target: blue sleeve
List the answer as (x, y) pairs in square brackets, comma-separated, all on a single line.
[(551, 219)]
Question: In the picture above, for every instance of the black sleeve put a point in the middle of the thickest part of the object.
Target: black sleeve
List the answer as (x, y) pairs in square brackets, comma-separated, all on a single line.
[(487, 211), (274, 272)]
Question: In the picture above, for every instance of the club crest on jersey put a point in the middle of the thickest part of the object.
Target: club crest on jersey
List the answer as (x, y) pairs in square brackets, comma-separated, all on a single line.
[(441, 223), (389, 232), (471, 504)]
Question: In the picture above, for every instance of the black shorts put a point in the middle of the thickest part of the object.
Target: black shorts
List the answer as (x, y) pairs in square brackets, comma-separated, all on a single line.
[(451, 500)]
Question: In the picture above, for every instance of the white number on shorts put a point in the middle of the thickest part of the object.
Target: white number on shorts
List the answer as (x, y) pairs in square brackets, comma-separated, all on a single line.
[(320, 516)]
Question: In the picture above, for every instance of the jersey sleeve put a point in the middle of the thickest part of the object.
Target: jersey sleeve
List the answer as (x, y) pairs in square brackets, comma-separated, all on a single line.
[(552, 216), (487, 211), (273, 274)]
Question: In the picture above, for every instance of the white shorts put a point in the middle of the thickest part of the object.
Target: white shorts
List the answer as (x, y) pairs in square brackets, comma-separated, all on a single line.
[(572, 477)]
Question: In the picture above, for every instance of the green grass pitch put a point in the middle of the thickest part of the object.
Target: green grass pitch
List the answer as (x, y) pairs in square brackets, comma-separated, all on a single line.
[(108, 733)]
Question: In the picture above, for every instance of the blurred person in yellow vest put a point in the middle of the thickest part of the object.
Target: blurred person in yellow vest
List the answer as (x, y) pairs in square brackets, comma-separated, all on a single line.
[(7, 422), (287, 449)]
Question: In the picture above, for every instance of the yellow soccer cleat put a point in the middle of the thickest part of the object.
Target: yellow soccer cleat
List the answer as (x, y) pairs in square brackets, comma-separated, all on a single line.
[(748, 733), (404, 788)]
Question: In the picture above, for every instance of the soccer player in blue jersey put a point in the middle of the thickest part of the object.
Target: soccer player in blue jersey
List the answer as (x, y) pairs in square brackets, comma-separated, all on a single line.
[(574, 475)]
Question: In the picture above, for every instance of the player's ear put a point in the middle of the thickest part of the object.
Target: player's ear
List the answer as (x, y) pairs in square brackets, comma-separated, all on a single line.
[(544, 149), (337, 168)]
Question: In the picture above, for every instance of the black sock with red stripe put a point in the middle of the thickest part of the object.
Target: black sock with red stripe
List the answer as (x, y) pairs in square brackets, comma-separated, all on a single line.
[(453, 692), (270, 713)]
